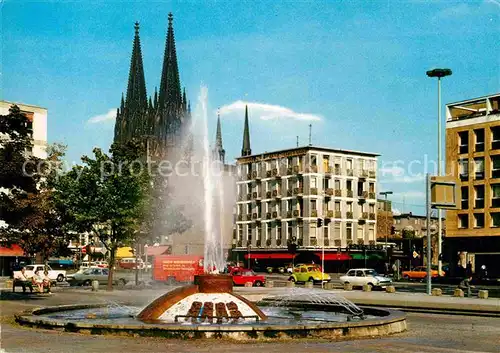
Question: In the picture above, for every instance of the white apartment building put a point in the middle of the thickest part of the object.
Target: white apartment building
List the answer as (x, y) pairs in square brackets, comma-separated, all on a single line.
[(308, 196), (38, 118)]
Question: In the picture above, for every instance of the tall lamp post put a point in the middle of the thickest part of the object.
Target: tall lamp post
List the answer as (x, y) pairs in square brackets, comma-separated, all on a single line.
[(439, 73), (385, 193)]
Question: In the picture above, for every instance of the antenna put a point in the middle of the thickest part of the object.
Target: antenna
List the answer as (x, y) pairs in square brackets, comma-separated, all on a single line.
[(297, 141), (310, 130)]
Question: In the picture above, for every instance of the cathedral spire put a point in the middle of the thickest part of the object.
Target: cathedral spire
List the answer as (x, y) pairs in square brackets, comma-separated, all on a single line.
[(170, 87), (219, 152), (245, 149), (136, 91)]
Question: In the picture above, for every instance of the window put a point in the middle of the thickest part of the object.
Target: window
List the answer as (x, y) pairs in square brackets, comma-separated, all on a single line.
[(249, 208), (289, 231), (463, 141), (463, 169), (479, 196), (337, 206), (314, 160), (325, 232), (278, 231), (300, 230), (372, 208), (348, 231), (479, 168), (479, 136), (349, 163), (349, 185), (326, 163), (326, 183), (371, 233), (465, 197), (313, 205), (240, 233), (463, 221), (349, 207), (495, 138), (259, 232), (372, 187), (495, 166), (479, 220), (495, 219), (361, 232), (337, 184), (336, 230), (495, 195), (249, 233), (360, 188), (269, 231)]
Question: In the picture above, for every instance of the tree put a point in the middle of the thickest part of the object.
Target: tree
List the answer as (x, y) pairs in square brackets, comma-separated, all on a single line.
[(106, 195), (27, 202)]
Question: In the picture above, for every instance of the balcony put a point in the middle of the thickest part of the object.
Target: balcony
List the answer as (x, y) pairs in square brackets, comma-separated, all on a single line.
[(326, 242), (363, 174), (240, 197), (296, 213), (276, 215), (337, 170), (249, 217), (372, 195), (240, 243), (268, 242), (338, 214), (275, 173), (249, 196), (256, 175), (289, 171), (350, 193), (372, 174), (268, 215), (337, 242), (268, 194), (363, 195), (289, 214), (297, 191), (240, 217), (314, 191), (329, 192), (312, 169), (258, 243), (289, 192), (255, 215), (277, 194), (329, 214), (256, 195), (372, 216), (249, 176), (350, 172), (338, 193), (349, 215), (329, 172), (268, 174), (314, 213), (278, 242), (313, 242)]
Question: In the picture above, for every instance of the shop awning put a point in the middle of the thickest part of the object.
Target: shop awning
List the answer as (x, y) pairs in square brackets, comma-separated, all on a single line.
[(369, 256), (158, 250), (125, 251), (12, 250), (334, 256), (271, 255)]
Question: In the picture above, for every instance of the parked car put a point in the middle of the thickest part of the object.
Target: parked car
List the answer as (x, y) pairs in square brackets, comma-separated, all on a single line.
[(54, 275), (309, 273), (420, 273), (101, 264), (240, 277), (86, 277), (365, 276)]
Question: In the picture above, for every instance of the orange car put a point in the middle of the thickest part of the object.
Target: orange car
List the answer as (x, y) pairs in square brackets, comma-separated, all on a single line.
[(420, 273)]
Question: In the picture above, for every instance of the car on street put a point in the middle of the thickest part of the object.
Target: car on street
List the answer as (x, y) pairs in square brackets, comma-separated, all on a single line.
[(309, 273), (85, 277), (420, 273), (365, 276), (242, 276), (54, 275)]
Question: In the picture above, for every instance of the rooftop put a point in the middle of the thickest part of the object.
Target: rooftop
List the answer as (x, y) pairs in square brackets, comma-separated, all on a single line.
[(473, 108), (307, 149)]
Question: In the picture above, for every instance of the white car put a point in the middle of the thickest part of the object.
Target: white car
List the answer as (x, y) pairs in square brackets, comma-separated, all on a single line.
[(54, 275), (362, 276)]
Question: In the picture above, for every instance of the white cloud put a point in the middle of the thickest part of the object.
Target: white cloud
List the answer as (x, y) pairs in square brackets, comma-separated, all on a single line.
[(102, 118), (412, 194), (397, 175), (267, 111)]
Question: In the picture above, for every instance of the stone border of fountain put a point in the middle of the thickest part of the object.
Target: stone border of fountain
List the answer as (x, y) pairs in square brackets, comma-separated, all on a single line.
[(390, 322)]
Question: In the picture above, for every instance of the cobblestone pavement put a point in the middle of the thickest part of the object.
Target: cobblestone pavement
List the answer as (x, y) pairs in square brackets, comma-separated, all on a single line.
[(426, 333)]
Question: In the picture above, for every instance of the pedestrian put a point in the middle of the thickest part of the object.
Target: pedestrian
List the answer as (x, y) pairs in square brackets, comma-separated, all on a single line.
[(465, 285)]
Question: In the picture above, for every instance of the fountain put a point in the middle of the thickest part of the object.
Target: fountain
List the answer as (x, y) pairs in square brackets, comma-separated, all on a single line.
[(209, 308)]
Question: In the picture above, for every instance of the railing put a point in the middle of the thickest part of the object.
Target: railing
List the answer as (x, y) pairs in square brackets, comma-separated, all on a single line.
[(268, 194), (337, 242), (371, 195), (350, 193), (314, 213), (330, 214), (276, 214), (254, 215), (349, 215), (314, 191), (268, 173), (338, 193), (275, 173), (337, 170), (313, 241), (249, 217), (296, 213), (249, 196), (240, 217), (329, 192), (326, 242), (338, 214), (278, 242), (268, 242), (297, 169), (297, 191), (277, 193), (350, 172), (289, 214), (289, 192), (364, 215), (268, 215), (372, 174), (372, 216), (361, 241)]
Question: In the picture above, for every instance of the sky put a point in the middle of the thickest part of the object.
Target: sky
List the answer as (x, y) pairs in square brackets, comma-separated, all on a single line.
[(354, 70)]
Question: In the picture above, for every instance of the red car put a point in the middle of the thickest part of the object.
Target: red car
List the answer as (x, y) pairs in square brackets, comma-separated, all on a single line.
[(242, 276)]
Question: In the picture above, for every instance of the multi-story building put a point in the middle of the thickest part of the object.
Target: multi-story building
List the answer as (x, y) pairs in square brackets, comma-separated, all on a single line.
[(37, 117), (307, 196), (414, 225), (473, 159), (385, 219)]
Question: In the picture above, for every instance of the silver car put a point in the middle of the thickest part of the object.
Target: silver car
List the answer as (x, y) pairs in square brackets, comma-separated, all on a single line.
[(85, 277), (368, 276)]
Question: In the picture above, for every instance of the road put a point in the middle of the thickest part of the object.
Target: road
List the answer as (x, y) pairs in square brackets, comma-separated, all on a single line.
[(426, 333)]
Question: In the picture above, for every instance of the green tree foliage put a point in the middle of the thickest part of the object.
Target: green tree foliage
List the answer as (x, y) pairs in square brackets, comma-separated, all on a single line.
[(27, 201), (106, 195)]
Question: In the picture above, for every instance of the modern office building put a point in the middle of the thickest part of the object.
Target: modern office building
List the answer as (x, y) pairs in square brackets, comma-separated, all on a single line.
[(473, 159), (308, 196), (37, 117)]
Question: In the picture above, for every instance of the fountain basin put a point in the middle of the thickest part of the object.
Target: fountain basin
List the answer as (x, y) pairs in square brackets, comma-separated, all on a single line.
[(378, 323)]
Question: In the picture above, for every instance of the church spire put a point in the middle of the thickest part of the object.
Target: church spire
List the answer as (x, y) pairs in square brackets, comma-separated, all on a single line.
[(219, 152), (136, 91), (170, 87), (245, 149)]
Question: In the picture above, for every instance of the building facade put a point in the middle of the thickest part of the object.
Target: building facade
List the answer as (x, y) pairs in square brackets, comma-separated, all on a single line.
[(415, 225), (38, 119), (473, 159)]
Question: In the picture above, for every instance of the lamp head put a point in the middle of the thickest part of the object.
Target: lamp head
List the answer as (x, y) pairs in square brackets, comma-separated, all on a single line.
[(439, 73)]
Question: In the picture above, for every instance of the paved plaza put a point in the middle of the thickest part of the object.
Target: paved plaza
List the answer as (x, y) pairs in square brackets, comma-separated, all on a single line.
[(426, 332)]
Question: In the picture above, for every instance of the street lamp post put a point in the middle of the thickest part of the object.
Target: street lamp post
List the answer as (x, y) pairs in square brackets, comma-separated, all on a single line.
[(439, 73), (385, 193)]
